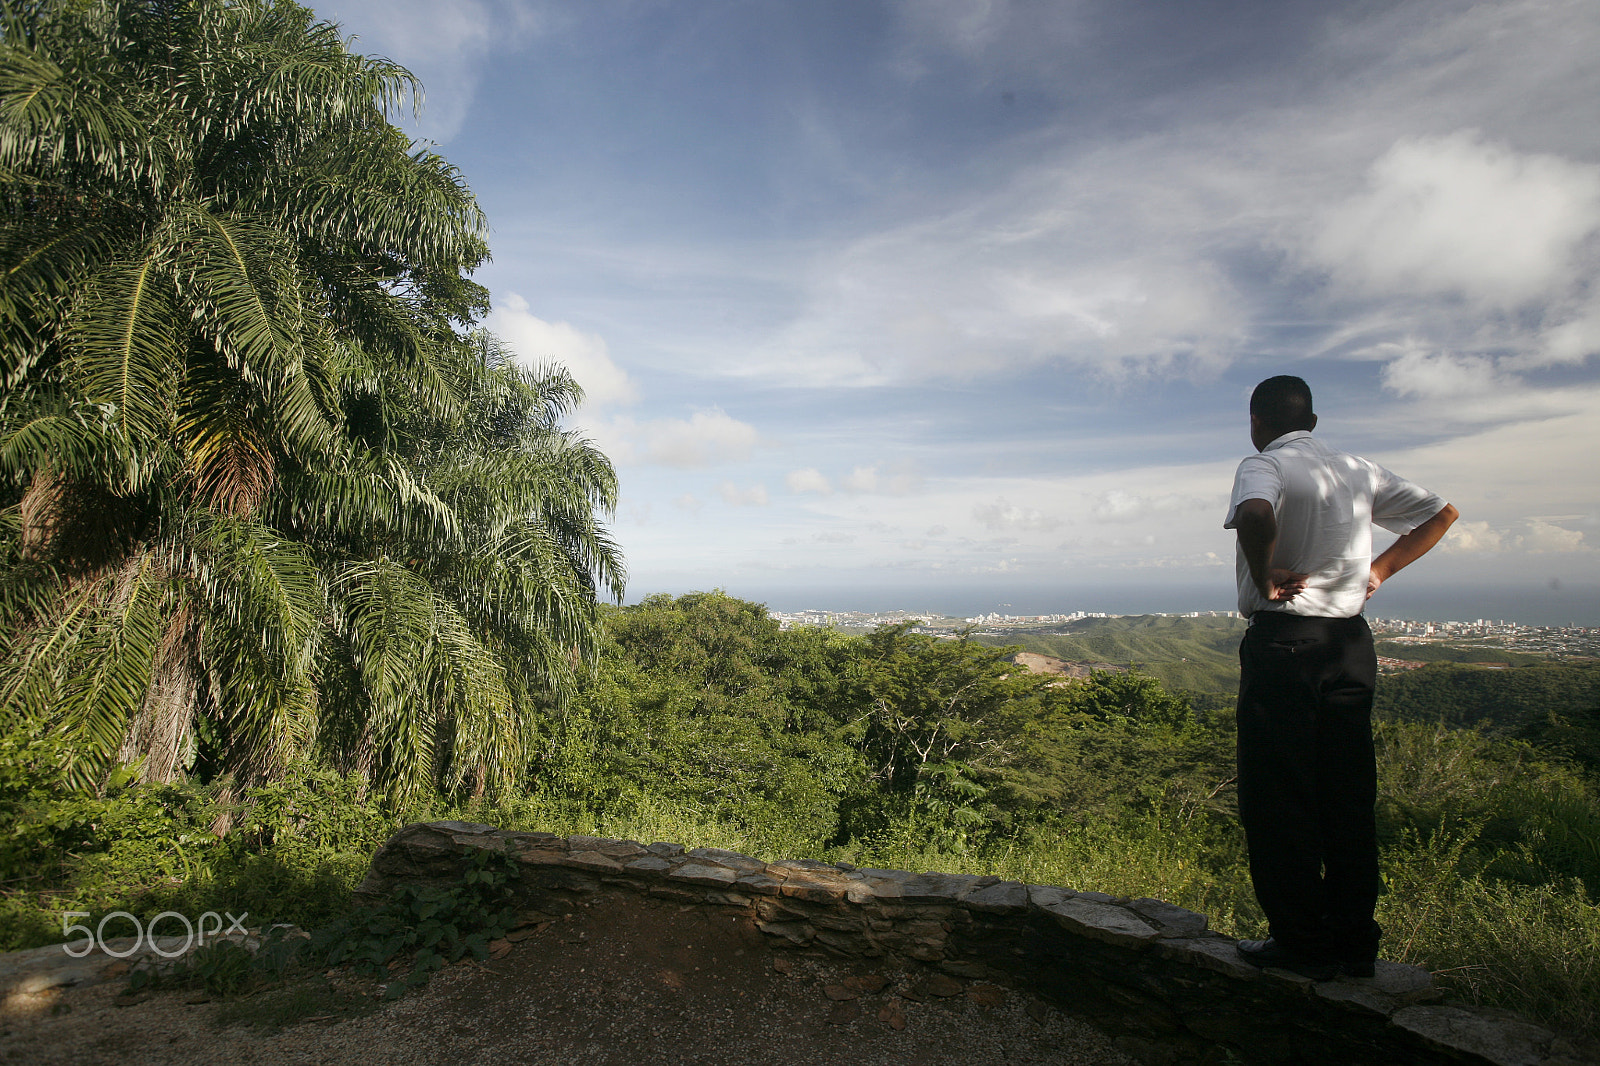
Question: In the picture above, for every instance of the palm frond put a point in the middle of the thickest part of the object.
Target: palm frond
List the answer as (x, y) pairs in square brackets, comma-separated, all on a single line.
[(84, 671), (123, 347), (77, 440), (262, 600), (43, 260), (243, 286), (63, 116), (231, 297), (389, 621)]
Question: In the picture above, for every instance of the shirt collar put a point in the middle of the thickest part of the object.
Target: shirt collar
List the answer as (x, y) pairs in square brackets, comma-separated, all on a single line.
[(1292, 435)]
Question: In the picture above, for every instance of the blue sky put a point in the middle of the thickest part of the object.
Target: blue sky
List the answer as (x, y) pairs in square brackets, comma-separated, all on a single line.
[(945, 304)]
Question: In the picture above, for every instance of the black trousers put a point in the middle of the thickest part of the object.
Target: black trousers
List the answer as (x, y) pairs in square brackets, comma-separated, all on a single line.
[(1308, 780)]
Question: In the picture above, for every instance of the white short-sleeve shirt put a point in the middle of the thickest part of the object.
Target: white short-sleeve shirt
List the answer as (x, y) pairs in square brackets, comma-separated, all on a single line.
[(1326, 503)]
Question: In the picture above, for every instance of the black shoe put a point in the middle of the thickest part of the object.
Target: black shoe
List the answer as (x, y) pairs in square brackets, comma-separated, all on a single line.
[(1272, 953), (1357, 967), (1356, 952)]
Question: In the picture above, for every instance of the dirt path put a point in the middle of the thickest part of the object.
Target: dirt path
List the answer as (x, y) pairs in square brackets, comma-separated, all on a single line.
[(653, 983)]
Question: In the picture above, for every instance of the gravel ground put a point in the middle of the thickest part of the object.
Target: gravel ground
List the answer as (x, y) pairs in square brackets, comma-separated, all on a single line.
[(654, 982)]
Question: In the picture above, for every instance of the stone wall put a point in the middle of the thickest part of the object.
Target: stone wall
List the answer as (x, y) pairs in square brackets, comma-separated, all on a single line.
[(1144, 970)]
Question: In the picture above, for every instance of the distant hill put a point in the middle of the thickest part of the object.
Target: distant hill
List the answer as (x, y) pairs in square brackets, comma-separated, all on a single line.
[(1513, 701), (1202, 654), (1045, 664), (1199, 654), (1443, 653)]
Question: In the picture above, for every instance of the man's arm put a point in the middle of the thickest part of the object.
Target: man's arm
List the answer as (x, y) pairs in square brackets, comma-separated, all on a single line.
[(1409, 548), (1258, 532)]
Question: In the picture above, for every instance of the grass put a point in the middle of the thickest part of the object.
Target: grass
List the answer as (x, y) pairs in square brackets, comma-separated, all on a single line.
[(1533, 949)]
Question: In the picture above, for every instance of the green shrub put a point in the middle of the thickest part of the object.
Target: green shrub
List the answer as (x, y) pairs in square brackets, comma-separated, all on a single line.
[(430, 926), (1534, 949)]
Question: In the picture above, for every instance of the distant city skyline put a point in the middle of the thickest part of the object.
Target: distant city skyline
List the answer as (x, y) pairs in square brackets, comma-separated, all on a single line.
[(1534, 607), (919, 298), (1423, 627)]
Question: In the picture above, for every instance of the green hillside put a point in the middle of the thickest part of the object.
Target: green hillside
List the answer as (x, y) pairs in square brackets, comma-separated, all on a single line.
[(1202, 654), (1199, 654), (1512, 701), (1466, 653)]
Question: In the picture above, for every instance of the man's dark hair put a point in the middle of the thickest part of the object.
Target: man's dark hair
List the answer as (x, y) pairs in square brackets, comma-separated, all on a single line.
[(1283, 404)]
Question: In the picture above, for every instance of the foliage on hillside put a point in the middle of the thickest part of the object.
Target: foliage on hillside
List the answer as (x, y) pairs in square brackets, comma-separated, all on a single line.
[(1556, 705), (1450, 653), (704, 724), (1505, 700), (1202, 654), (1197, 654)]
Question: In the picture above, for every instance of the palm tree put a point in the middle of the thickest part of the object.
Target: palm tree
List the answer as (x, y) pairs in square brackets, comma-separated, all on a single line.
[(263, 498)]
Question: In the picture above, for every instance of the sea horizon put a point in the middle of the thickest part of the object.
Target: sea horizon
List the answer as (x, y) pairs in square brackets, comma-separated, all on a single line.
[(1563, 607)]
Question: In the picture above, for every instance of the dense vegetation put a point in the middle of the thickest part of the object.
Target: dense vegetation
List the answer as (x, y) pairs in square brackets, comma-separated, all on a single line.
[(1505, 701), (703, 723), (264, 494)]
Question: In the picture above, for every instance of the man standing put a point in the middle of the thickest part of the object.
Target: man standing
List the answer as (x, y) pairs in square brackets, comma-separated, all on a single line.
[(1307, 775)]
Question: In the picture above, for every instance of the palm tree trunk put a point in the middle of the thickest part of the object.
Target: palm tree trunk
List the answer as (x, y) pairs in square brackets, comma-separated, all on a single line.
[(161, 735)]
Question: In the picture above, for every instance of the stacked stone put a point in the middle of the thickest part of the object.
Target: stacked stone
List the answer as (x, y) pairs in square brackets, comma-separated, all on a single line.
[(1139, 967)]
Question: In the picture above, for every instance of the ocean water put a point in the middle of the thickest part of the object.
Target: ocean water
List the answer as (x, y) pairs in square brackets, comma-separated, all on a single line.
[(1544, 603)]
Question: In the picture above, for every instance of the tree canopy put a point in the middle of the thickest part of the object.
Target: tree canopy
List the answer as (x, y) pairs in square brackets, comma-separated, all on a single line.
[(266, 491)]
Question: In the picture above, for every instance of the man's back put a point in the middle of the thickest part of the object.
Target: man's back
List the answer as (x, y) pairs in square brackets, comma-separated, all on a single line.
[(1325, 502)]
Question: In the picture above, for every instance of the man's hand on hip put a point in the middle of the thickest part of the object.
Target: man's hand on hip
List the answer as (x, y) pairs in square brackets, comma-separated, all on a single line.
[(1283, 585)]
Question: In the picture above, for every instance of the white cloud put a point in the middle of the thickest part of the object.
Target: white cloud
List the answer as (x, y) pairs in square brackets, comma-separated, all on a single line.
[(1473, 537), (807, 479), (734, 496), (1054, 268), (1545, 536), (1443, 375), (1178, 250), (861, 479), (585, 356), (866, 479), (1571, 340), (688, 502), (1002, 514), (1461, 215), (1119, 505), (1538, 536), (706, 438), (1188, 561)]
